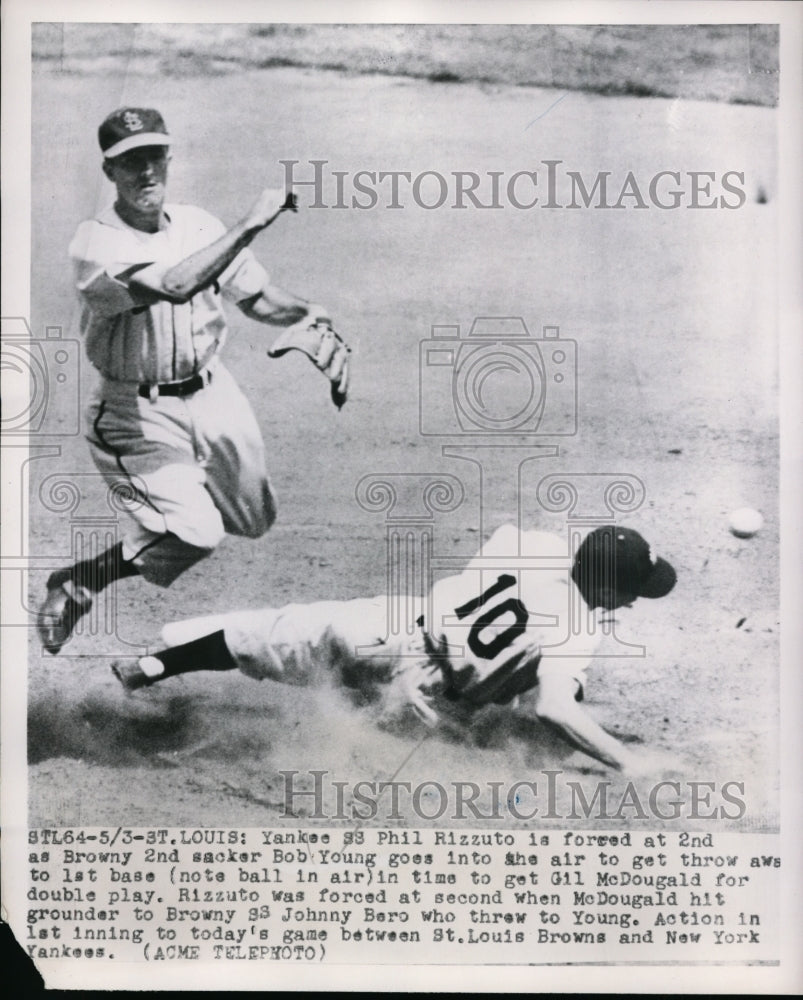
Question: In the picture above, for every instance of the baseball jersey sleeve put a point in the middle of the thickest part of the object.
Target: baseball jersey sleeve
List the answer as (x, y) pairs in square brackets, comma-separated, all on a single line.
[(99, 274), (243, 278)]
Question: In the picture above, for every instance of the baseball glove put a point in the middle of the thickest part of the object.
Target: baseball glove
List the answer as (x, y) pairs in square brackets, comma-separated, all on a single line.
[(324, 347)]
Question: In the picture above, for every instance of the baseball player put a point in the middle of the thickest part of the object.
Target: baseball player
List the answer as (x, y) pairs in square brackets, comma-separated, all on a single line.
[(521, 623), (167, 422)]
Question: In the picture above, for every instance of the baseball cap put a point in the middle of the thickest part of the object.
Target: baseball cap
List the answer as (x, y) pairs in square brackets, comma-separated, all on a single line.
[(620, 558), (128, 128)]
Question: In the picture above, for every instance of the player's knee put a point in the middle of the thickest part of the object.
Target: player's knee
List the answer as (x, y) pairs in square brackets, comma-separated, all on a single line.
[(262, 518), (252, 514), (206, 539), (257, 529)]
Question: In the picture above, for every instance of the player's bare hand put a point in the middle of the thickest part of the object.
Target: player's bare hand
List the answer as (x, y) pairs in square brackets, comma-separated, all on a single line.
[(271, 203), (407, 692)]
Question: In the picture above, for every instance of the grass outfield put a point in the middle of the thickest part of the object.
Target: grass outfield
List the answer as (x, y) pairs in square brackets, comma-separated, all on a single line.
[(733, 63)]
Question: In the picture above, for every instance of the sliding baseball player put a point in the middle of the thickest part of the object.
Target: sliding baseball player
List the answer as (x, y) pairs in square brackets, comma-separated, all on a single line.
[(520, 623)]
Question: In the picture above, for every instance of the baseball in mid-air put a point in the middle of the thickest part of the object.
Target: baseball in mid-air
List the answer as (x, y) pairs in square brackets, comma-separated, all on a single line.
[(745, 522)]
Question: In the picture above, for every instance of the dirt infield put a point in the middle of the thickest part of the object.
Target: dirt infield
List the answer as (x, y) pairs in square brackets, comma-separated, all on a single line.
[(674, 316)]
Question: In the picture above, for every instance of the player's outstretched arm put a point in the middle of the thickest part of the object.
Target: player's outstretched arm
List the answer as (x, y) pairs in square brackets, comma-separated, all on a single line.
[(180, 282), (555, 704)]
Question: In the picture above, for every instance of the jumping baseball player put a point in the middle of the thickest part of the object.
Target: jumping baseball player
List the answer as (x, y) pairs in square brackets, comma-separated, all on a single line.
[(167, 421), (521, 622)]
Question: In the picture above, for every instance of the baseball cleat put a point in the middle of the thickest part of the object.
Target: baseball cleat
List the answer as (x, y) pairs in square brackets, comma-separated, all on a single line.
[(145, 671), (66, 603)]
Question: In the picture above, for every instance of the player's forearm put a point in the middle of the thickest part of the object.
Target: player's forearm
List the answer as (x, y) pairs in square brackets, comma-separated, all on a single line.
[(278, 307), (179, 283), (203, 267), (583, 733)]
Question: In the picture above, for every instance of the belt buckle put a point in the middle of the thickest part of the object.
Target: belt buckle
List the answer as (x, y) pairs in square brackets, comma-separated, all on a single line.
[(153, 392)]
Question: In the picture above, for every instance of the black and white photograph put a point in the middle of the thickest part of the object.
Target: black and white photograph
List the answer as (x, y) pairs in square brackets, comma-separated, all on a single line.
[(399, 460)]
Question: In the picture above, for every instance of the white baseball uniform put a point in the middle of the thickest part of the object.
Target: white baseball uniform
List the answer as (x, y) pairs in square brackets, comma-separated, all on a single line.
[(195, 461), (513, 615)]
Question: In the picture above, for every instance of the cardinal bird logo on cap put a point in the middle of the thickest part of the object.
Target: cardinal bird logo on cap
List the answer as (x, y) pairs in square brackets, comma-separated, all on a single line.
[(132, 121)]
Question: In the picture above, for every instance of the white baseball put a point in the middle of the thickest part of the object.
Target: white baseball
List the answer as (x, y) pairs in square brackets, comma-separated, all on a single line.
[(745, 522)]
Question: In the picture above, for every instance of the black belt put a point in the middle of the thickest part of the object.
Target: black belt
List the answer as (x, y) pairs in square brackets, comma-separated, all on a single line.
[(184, 388)]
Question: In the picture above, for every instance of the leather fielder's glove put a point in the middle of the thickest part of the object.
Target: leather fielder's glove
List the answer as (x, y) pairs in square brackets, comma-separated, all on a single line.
[(324, 347)]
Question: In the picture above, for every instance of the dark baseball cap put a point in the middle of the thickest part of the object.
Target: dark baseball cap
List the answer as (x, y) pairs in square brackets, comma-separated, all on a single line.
[(128, 128), (620, 558)]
